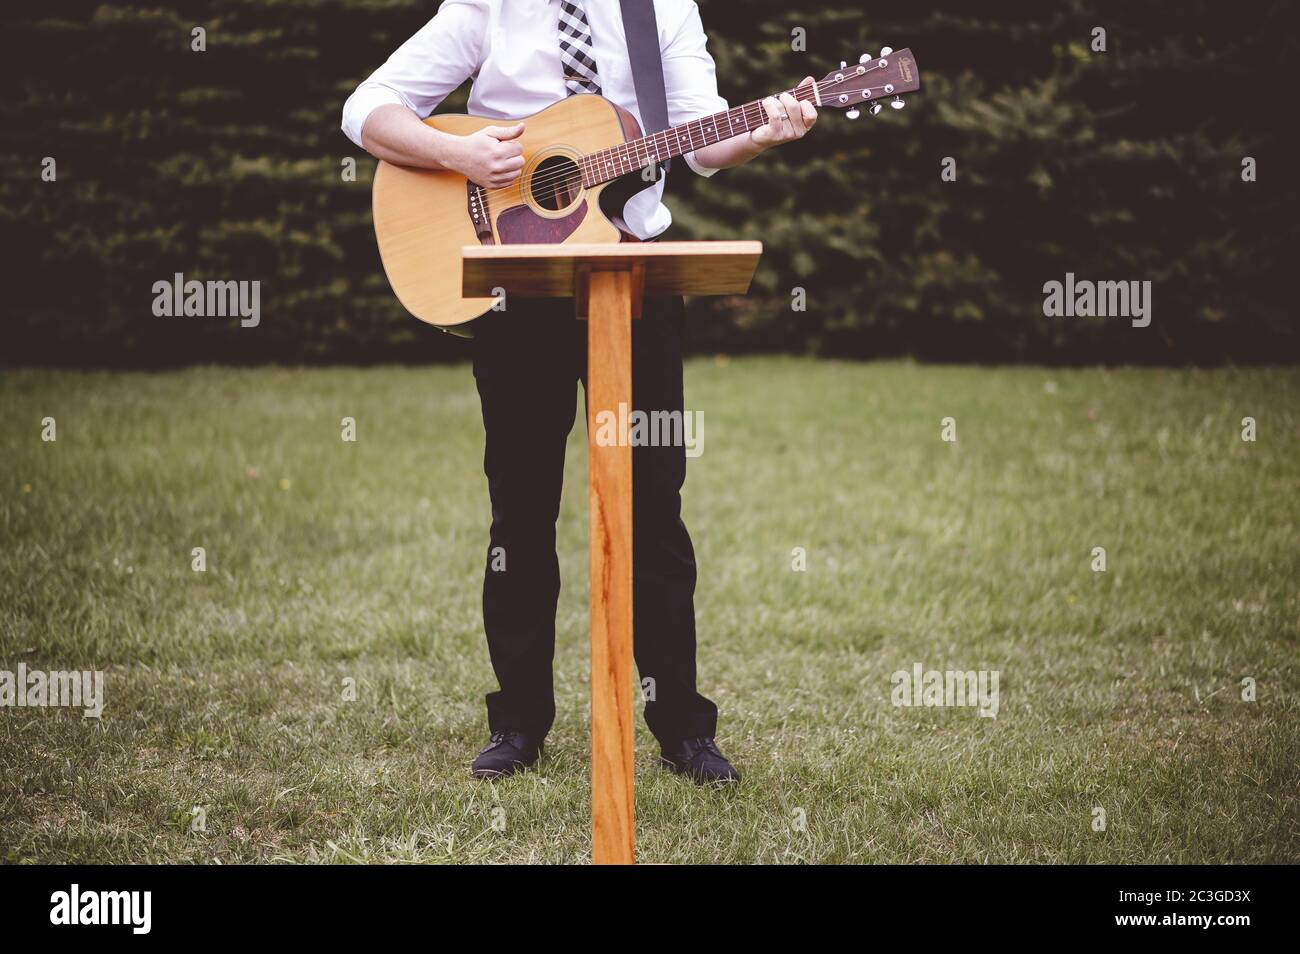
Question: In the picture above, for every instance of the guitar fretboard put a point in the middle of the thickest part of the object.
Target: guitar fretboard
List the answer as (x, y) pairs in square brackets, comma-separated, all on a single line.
[(608, 164)]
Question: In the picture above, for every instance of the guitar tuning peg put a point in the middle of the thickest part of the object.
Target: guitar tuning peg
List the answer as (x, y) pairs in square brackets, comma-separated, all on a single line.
[(843, 64), (865, 58), (874, 109), (853, 113), (886, 50), (897, 103)]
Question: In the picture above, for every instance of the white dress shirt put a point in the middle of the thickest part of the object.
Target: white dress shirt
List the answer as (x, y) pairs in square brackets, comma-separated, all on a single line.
[(512, 49)]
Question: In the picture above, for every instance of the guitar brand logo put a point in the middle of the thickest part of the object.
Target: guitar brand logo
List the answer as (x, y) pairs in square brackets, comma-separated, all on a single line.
[(905, 65)]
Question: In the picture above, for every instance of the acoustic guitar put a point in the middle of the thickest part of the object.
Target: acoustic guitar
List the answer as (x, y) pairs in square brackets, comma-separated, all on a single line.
[(584, 157)]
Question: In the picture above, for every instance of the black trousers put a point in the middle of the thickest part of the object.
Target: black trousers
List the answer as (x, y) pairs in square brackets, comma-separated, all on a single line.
[(528, 360)]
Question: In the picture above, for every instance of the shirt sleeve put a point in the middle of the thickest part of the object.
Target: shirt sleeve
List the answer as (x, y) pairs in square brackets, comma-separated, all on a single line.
[(690, 78), (443, 54)]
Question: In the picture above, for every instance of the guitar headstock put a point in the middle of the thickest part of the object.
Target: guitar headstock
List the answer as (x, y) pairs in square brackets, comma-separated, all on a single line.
[(889, 74)]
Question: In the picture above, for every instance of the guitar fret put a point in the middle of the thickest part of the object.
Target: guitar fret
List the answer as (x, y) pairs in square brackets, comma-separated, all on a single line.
[(608, 164)]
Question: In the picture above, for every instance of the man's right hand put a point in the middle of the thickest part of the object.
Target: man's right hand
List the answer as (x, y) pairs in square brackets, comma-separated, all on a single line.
[(491, 157)]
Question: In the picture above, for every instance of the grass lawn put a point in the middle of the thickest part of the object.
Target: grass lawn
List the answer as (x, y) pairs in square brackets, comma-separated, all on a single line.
[(328, 561)]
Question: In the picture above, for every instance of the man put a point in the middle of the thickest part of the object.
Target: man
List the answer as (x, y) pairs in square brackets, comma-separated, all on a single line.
[(525, 55)]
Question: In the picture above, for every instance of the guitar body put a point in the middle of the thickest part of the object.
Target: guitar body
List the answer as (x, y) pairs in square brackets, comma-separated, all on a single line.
[(423, 218)]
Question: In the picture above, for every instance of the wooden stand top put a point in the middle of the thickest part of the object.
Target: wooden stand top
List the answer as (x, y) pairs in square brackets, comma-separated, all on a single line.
[(560, 271)]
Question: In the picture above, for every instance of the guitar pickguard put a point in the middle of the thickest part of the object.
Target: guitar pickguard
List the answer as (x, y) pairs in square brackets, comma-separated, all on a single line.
[(520, 225)]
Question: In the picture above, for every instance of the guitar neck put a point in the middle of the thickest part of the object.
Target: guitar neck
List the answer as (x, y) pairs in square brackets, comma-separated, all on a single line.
[(633, 156)]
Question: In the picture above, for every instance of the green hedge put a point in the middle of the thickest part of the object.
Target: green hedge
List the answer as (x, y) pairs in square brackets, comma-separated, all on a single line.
[(226, 164)]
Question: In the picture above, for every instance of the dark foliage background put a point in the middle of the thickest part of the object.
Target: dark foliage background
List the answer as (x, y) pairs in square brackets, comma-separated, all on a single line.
[(226, 164)]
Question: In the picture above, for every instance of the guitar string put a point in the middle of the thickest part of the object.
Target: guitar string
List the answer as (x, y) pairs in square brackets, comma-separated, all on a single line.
[(748, 111), (665, 137), (576, 175)]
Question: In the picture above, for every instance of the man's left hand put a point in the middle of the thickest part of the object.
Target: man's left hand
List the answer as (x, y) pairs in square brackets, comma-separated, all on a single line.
[(788, 119)]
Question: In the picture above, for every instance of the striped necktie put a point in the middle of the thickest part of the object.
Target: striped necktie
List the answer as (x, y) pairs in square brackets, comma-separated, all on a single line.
[(577, 57)]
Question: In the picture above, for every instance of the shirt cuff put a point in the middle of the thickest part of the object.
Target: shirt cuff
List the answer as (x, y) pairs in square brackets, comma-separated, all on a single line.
[(697, 167), (367, 98)]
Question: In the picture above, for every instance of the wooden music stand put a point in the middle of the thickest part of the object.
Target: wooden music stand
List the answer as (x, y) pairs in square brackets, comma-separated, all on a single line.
[(608, 284)]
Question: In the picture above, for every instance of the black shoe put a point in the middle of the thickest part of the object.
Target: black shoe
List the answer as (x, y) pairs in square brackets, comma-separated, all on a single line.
[(508, 752), (701, 760)]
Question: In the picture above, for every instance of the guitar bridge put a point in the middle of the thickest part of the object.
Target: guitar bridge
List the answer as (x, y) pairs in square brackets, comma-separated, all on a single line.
[(479, 213)]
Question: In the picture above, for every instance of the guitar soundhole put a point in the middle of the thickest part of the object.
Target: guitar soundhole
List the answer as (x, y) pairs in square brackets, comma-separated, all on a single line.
[(556, 183)]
